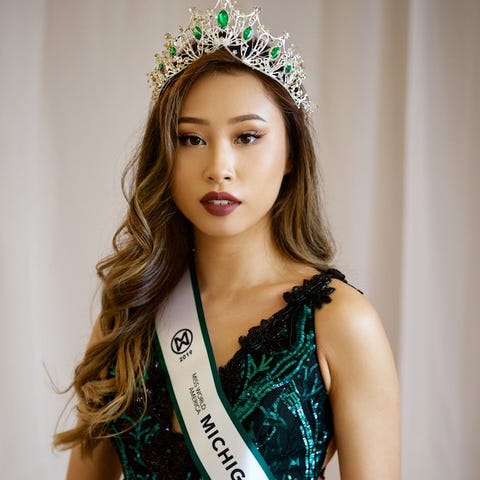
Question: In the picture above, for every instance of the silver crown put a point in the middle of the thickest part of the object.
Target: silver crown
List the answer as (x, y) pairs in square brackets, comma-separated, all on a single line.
[(244, 37)]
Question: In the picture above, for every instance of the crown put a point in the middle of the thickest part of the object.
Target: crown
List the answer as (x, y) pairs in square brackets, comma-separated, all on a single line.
[(244, 37)]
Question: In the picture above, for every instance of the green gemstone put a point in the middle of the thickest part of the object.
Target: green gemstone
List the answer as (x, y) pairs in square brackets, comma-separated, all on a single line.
[(288, 69), (161, 67), (222, 18), (247, 33), (274, 52), (172, 50), (197, 32)]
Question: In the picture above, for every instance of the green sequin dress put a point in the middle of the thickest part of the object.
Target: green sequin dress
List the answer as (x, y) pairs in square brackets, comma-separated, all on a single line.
[(274, 385)]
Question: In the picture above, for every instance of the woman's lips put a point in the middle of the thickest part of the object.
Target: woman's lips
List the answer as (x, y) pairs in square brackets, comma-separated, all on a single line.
[(219, 204)]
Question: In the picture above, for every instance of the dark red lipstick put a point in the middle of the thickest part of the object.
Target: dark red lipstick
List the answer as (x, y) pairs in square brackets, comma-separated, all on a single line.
[(219, 204)]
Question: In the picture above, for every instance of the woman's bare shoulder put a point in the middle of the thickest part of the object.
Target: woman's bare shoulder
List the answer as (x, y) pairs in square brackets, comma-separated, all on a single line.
[(348, 318)]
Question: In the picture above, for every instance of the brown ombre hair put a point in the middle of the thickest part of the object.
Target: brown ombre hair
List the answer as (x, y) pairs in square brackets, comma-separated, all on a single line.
[(153, 247)]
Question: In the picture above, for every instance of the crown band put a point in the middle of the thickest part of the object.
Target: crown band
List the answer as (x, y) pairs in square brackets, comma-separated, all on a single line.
[(240, 34)]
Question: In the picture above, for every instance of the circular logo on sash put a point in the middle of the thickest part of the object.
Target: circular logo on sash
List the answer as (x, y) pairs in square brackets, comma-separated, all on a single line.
[(181, 341)]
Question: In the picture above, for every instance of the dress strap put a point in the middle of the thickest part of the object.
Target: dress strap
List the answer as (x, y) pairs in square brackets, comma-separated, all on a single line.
[(316, 290)]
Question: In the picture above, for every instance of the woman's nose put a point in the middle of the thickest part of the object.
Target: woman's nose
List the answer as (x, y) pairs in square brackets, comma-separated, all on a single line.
[(220, 165)]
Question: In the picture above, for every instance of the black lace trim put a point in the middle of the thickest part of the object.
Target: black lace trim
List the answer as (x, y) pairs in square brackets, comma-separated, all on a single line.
[(275, 333), (314, 291)]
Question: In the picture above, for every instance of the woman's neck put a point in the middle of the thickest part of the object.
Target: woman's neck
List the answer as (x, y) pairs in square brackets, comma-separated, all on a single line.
[(226, 265)]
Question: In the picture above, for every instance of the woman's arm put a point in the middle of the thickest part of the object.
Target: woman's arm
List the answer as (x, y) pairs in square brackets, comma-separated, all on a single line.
[(103, 464), (363, 389)]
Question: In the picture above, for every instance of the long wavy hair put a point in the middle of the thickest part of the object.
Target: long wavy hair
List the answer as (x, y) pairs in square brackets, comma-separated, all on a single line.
[(153, 247)]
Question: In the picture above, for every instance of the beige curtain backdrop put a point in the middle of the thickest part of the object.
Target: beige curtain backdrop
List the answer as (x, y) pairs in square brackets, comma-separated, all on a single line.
[(397, 83)]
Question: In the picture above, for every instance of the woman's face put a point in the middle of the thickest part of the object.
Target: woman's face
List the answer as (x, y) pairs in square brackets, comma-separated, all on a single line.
[(231, 155)]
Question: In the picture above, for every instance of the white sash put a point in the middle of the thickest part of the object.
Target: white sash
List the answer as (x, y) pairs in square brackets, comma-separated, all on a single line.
[(218, 443)]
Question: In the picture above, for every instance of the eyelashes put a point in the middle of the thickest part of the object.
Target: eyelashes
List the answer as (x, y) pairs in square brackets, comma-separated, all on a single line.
[(190, 140), (194, 140), (248, 138)]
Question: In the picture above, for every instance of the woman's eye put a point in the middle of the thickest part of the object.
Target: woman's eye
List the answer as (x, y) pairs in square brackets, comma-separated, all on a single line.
[(247, 138), (190, 140)]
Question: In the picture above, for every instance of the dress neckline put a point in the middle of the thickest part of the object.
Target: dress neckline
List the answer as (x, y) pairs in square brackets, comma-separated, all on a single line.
[(314, 288)]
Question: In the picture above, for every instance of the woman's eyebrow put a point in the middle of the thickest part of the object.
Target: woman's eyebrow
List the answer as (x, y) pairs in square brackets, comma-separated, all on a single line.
[(198, 121), (238, 119), (248, 116)]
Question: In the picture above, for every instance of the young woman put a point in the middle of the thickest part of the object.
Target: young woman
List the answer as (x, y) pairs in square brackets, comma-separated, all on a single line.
[(227, 346)]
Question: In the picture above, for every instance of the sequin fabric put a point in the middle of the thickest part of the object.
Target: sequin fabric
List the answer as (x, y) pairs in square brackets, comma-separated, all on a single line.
[(274, 385)]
